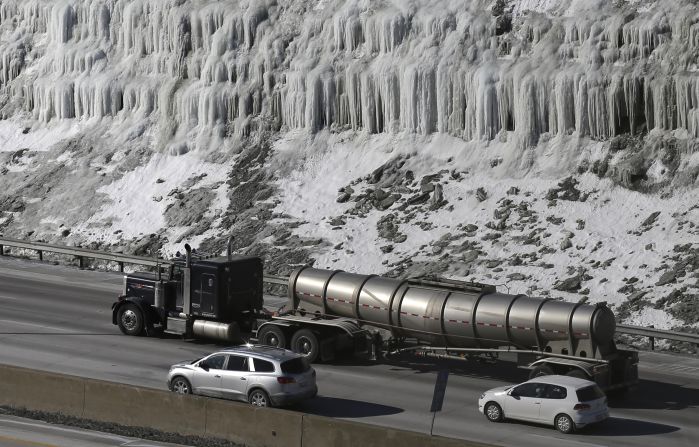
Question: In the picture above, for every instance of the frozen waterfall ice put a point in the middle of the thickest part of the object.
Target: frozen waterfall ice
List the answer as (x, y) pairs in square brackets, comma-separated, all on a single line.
[(421, 66)]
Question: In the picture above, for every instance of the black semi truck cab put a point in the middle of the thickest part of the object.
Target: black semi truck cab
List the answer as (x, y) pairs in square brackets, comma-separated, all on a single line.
[(213, 298)]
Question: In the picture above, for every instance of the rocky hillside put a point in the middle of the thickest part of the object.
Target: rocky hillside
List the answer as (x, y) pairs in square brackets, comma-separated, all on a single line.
[(549, 146)]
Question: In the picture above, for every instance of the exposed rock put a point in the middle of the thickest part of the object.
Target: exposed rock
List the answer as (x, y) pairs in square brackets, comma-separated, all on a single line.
[(566, 190), (650, 220), (388, 202), (427, 187), (418, 198), (437, 200), (666, 278), (516, 276), (481, 194), (470, 256), (380, 194), (343, 197), (570, 284), (337, 221), (566, 244), (513, 191)]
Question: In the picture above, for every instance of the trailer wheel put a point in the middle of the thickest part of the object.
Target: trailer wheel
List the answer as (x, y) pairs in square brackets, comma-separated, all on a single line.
[(541, 370), (578, 373), (306, 342), (272, 335), (130, 320)]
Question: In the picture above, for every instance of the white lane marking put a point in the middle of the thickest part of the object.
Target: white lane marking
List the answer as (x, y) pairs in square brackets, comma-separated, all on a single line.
[(5, 297), (559, 441), (42, 326)]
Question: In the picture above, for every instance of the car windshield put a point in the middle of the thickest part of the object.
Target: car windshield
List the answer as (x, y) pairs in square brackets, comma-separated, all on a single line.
[(296, 366), (589, 393)]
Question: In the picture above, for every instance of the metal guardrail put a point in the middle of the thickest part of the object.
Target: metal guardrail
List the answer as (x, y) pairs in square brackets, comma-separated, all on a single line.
[(82, 253), (653, 333), (121, 259)]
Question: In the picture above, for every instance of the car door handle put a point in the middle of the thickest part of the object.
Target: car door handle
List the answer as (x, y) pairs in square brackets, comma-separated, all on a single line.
[(217, 376), (243, 378)]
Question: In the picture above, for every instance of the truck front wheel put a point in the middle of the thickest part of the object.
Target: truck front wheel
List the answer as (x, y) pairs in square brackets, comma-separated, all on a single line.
[(130, 320), (306, 342)]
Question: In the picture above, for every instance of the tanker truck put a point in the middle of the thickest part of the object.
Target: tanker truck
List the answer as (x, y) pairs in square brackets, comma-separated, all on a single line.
[(331, 311)]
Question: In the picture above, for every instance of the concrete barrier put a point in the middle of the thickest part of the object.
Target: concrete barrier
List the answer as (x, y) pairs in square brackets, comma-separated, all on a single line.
[(144, 407), (38, 390), (199, 416), (258, 427)]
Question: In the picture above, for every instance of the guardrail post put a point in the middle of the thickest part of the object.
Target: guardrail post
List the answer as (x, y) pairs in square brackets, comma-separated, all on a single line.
[(41, 255), (652, 340), (121, 267), (81, 261), (2, 250)]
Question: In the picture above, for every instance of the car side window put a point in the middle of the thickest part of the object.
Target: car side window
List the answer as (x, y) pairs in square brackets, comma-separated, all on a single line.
[(263, 365), (556, 392), (237, 363), (215, 361), (527, 389)]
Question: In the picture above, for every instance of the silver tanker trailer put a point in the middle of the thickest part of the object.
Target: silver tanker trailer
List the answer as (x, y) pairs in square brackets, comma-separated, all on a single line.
[(331, 311), (451, 319)]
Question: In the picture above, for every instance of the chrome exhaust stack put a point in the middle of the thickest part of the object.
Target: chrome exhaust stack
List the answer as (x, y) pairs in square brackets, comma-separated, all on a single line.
[(187, 299)]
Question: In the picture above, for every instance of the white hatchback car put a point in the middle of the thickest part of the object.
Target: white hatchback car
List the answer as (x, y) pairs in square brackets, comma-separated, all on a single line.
[(566, 402)]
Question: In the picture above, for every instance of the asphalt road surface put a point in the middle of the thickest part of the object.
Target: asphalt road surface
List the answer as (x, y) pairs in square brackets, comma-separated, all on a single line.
[(20, 432), (59, 319)]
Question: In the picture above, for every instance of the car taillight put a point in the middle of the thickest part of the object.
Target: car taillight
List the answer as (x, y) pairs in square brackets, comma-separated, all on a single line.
[(286, 380), (581, 407)]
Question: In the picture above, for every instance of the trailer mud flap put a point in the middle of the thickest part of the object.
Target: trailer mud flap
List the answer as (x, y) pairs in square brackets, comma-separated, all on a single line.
[(327, 348)]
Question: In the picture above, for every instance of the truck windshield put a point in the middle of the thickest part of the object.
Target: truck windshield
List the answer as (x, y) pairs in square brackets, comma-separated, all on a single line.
[(295, 366), (589, 393)]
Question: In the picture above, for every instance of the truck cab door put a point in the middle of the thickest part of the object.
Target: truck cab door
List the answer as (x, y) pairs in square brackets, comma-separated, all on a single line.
[(235, 378), (208, 294), (207, 375)]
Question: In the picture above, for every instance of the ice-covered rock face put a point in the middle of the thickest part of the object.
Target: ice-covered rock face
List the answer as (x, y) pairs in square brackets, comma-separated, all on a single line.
[(598, 69)]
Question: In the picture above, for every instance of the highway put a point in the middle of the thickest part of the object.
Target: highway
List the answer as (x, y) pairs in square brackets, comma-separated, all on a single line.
[(58, 319)]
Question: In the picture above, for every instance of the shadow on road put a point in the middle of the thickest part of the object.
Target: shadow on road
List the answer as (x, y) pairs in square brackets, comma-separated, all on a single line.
[(627, 427), (506, 371), (344, 408), (654, 395)]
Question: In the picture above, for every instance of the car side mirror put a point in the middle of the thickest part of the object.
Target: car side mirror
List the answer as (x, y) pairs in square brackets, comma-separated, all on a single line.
[(204, 366), (514, 394)]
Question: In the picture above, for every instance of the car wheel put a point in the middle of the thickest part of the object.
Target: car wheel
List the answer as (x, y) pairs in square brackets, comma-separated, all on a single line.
[(180, 385), (564, 424), (259, 398), (271, 335), (493, 412), (130, 320), (541, 370), (305, 342)]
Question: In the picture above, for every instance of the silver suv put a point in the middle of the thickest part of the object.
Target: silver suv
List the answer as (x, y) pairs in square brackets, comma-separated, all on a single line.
[(265, 376)]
